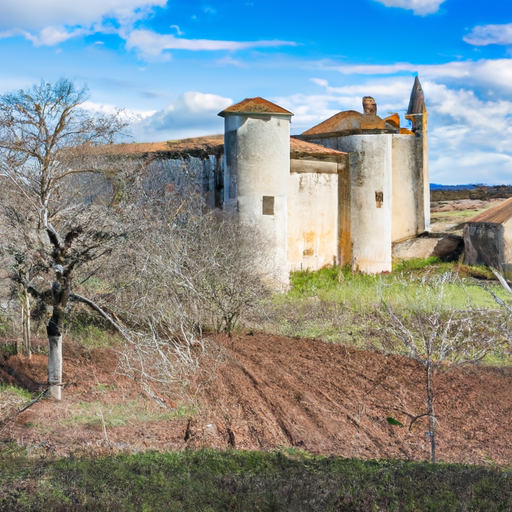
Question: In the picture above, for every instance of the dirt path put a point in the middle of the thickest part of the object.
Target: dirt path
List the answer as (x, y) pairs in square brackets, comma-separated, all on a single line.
[(275, 391)]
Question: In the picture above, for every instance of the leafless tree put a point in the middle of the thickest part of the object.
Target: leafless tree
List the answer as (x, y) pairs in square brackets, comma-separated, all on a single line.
[(441, 337), (186, 272), (45, 144)]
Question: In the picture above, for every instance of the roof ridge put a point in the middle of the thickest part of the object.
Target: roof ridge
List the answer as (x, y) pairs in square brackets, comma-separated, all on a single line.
[(257, 105)]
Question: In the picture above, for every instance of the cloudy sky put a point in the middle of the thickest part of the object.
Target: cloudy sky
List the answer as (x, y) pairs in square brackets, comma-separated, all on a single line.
[(173, 65)]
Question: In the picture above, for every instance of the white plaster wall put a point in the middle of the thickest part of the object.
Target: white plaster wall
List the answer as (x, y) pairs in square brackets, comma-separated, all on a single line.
[(370, 173), (312, 214), (507, 245), (257, 156), (407, 179)]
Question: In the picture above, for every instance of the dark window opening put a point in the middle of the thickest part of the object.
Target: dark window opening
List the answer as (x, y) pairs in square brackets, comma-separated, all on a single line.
[(268, 205)]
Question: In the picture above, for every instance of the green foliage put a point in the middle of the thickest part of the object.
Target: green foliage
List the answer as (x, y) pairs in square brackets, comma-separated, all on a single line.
[(414, 264), (22, 393), (118, 415), (91, 330), (209, 480), (337, 305), (7, 349)]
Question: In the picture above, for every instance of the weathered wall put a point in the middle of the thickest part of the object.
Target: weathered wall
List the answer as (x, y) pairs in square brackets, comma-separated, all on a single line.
[(407, 197), (420, 127), (257, 168), (484, 244), (204, 173), (507, 245), (371, 200), (313, 231)]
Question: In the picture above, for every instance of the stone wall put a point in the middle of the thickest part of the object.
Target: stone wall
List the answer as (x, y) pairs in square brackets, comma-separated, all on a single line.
[(313, 229)]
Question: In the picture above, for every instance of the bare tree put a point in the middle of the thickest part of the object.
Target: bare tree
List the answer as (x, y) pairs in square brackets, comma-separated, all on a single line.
[(440, 337), (186, 272), (45, 143)]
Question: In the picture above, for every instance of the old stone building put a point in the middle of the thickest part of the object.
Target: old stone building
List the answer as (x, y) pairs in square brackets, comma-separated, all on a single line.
[(488, 238), (342, 192), (367, 188)]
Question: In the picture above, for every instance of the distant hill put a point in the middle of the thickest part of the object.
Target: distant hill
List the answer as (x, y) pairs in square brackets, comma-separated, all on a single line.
[(437, 186), (473, 191)]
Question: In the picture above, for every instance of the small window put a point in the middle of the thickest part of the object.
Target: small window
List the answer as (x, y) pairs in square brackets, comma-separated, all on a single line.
[(268, 205)]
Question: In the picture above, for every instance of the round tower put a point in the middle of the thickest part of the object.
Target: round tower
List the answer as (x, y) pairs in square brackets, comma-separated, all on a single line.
[(257, 170)]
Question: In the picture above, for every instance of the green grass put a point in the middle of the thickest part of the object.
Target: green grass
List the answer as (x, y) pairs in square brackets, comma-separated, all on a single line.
[(91, 331), (462, 214), (209, 480), (7, 388), (337, 305), (118, 415), (408, 284)]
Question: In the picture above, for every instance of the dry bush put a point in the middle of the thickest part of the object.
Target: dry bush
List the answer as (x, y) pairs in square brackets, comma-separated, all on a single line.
[(186, 271)]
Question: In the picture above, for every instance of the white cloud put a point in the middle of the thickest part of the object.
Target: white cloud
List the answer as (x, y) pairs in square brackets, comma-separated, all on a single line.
[(490, 34), (495, 75), (418, 7), (129, 116), (34, 15), (192, 114), (470, 139), (152, 44), (54, 21), (230, 61), (50, 36)]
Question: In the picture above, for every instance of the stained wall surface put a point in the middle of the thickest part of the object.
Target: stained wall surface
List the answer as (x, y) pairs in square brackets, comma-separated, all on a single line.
[(407, 180), (371, 200), (507, 245), (484, 244), (313, 229)]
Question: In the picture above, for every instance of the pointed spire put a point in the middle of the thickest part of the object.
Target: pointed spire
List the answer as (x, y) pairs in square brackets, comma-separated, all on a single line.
[(417, 101)]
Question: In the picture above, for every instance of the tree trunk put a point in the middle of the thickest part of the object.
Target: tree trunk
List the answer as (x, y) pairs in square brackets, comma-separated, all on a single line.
[(60, 294), (55, 367), (26, 323), (431, 416)]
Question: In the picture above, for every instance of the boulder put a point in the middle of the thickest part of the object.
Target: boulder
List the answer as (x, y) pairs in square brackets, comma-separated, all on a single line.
[(449, 248)]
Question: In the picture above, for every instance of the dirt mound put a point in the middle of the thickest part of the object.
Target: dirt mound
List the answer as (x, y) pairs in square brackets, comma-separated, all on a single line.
[(275, 391)]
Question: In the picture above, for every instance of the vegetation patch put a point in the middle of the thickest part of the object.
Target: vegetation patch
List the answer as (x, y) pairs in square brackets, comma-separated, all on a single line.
[(208, 480), (117, 415)]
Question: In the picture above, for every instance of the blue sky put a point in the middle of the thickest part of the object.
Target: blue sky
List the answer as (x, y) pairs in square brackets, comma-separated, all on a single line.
[(173, 65)]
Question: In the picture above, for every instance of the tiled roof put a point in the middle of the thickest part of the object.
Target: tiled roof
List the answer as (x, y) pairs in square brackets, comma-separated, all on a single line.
[(348, 121), (208, 143), (199, 146), (496, 215), (301, 146), (255, 106)]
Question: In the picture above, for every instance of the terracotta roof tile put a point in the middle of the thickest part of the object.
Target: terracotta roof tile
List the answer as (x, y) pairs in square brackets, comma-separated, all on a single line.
[(198, 146), (206, 143), (348, 121), (255, 106), (298, 146), (497, 215)]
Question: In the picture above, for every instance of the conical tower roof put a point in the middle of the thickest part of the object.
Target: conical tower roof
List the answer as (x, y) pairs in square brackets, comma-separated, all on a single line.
[(417, 101), (255, 106)]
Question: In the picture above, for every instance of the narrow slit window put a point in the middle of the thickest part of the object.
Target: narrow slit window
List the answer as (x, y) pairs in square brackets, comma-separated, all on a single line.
[(268, 205)]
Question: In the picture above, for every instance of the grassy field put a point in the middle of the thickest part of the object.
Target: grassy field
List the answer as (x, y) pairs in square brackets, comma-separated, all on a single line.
[(208, 480), (337, 305), (331, 304)]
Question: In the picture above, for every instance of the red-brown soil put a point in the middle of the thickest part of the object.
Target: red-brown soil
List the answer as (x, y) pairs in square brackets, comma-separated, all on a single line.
[(274, 391)]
